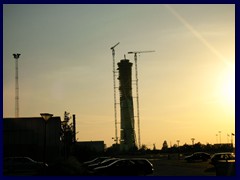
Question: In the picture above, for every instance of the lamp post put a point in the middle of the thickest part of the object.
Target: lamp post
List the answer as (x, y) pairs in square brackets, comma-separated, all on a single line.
[(178, 142), (46, 117), (219, 136), (192, 140), (178, 149), (232, 134), (65, 129), (16, 57)]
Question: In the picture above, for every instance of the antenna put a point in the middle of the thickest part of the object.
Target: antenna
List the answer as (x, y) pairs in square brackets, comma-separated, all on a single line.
[(137, 96), (114, 89), (16, 57)]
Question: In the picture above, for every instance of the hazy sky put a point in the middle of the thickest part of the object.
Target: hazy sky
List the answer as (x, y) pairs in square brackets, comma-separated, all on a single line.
[(186, 87)]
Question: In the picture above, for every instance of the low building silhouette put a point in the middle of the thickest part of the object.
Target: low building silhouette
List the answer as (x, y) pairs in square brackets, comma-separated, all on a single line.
[(97, 146), (25, 136)]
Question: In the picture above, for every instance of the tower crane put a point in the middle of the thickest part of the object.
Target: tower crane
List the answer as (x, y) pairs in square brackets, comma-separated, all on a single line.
[(137, 96), (114, 87)]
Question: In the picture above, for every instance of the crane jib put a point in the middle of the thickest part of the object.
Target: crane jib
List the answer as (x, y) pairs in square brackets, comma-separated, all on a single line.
[(135, 52)]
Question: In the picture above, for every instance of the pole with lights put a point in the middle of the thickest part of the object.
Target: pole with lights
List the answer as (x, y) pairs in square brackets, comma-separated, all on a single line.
[(16, 57)]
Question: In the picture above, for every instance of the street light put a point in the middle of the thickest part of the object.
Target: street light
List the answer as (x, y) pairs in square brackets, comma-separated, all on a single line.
[(219, 136), (46, 117), (178, 142), (192, 140), (178, 149), (232, 134), (16, 57)]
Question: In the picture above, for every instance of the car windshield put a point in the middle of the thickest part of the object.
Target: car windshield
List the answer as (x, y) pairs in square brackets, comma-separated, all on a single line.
[(96, 160), (230, 156), (224, 156), (108, 161)]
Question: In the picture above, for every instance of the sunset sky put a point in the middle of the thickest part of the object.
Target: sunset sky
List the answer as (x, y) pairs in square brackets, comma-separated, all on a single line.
[(186, 87)]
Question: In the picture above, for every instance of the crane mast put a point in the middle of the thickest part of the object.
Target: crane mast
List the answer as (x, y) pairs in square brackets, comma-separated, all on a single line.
[(114, 89), (137, 95)]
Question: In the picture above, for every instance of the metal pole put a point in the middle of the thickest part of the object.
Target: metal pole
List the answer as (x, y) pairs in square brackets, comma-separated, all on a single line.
[(219, 136), (46, 117), (74, 128), (232, 138), (16, 57), (178, 142), (44, 142), (192, 141)]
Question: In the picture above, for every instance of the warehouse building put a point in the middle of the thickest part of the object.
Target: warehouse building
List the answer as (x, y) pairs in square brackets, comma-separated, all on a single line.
[(32, 137)]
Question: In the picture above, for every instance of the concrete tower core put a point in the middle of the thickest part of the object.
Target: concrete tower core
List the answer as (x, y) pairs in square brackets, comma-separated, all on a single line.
[(127, 139)]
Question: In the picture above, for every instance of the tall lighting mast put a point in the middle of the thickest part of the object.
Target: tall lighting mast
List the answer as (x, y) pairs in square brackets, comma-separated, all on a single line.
[(137, 96), (16, 57), (114, 89)]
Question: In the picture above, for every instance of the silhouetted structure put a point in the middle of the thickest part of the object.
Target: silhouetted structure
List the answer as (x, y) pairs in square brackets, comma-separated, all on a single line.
[(114, 90), (25, 137), (97, 146), (86, 150), (127, 139), (16, 57), (137, 96)]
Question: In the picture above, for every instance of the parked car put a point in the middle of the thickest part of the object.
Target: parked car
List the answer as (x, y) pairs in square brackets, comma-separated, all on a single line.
[(102, 163), (95, 160), (222, 157), (121, 167), (23, 165), (198, 156), (144, 166)]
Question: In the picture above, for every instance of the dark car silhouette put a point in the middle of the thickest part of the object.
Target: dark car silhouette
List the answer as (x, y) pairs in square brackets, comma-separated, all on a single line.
[(95, 160), (23, 165), (143, 165), (222, 157), (124, 167), (102, 163), (198, 156)]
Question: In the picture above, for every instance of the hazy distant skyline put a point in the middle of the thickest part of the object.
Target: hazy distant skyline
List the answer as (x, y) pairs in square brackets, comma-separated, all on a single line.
[(186, 87)]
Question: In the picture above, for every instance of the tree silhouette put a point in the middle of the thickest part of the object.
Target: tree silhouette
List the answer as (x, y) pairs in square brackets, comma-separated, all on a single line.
[(165, 146)]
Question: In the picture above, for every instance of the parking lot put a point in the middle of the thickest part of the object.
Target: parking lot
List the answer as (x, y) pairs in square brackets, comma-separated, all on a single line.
[(163, 166), (175, 167)]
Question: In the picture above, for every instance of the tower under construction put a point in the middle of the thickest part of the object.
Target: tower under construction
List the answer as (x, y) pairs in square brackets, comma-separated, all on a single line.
[(127, 133)]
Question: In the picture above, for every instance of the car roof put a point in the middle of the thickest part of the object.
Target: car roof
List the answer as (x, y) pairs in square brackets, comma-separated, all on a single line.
[(138, 159), (117, 160), (24, 157), (110, 159), (224, 153)]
